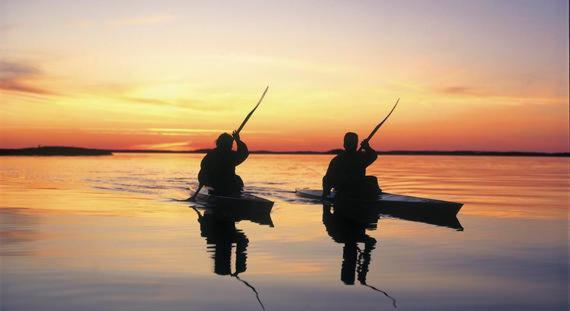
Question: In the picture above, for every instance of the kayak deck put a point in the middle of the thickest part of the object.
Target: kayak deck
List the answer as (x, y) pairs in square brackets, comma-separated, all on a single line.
[(243, 207), (396, 204)]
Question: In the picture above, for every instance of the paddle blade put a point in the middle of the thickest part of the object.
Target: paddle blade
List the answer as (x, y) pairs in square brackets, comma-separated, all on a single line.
[(252, 111), (380, 124)]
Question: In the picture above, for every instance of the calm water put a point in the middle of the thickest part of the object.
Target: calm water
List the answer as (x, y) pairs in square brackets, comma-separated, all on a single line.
[(106, 233)]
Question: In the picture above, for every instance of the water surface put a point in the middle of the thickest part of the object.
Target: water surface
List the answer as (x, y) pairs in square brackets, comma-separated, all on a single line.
[(106, 233)]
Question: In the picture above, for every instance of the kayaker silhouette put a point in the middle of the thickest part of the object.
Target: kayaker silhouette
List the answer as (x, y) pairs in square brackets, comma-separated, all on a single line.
[(347, 171), (218, 167), (351, 232)]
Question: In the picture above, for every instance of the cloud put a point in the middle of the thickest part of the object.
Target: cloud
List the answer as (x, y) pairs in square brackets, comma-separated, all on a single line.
[(462, 90), (18, 77), (183, 103), (152, 101), (144, 20), (15, 86), (9, 69), (197, 131), (500, 97), (175, 146), (7, 27), (288, 63), (184, 131), (126, 21)]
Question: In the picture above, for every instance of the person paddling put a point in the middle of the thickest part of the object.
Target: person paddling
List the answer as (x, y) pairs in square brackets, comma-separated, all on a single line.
[(347, 171), (218, 167)]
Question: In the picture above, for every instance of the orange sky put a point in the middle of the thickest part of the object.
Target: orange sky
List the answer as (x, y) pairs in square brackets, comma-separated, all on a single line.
[(481, 75)]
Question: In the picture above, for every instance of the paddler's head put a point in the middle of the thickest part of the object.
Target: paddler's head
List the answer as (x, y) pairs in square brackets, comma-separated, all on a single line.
[(224, 142), (350, 141)]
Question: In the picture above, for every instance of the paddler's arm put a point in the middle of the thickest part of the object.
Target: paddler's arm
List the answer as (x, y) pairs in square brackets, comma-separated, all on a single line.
[(370, 154), (328, 179), (204, 170), (326, 188), (202, 178), (242, 152), (327, 214)]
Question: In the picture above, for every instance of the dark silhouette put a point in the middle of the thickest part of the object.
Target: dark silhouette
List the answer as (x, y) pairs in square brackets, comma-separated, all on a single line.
[(54, 151), (218, 168), (218, 226), (347, 171), (221, 235), (351, 231)]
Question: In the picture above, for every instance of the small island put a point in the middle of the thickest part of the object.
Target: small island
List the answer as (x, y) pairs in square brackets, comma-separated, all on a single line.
[(54, 151)]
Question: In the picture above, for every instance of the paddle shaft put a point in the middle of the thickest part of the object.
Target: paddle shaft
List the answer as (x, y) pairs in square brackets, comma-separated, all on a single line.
[(193, 197), (380, 124), (252, 111)]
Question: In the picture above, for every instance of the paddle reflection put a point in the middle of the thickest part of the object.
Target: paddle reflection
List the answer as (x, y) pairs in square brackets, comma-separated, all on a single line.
[(350, 229)]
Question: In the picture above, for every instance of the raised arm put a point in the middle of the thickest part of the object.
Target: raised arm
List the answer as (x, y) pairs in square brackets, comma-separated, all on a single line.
[(242, 152), (370, 154)]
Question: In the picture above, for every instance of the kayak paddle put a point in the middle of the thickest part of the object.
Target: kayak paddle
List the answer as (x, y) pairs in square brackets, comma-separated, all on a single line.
[(252, 111), (380, 124)]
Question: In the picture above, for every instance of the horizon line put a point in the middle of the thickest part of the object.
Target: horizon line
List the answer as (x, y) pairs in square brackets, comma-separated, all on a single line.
[(324, 152)]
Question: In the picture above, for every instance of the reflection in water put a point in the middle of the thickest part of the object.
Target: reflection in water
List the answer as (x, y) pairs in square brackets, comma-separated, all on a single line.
[(512, 255), (351, 231), (17, 227), (221, 234)]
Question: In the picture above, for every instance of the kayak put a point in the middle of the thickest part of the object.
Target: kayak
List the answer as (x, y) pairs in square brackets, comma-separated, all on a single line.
[(390, 201), (430, 211), (241, 207)]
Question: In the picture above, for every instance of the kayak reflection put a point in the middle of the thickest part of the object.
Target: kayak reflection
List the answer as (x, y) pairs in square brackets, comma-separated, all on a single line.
[(218, 227), (351, 231)]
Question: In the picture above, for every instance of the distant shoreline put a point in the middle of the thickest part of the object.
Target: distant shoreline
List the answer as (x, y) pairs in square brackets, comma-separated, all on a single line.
[(75, 151), (55, 151)]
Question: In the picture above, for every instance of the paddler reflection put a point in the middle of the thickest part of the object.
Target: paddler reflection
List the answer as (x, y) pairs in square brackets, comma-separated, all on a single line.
[(351, 231), (222, 236)]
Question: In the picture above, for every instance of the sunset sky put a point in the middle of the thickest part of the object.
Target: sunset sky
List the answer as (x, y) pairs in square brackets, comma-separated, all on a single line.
[(471, 75)]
